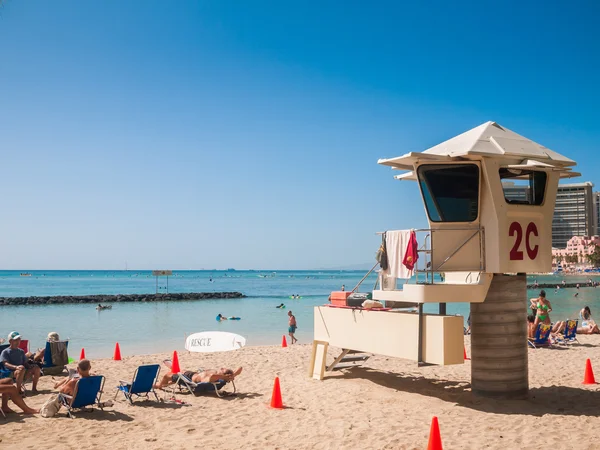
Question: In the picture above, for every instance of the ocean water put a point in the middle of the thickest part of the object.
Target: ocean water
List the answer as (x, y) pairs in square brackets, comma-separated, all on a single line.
[(162, 326)]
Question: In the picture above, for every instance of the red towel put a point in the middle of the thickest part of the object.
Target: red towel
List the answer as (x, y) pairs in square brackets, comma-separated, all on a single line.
[(411, 256)]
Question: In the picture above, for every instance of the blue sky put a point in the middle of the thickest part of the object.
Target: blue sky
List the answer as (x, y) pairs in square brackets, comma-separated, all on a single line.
[(197, 134)]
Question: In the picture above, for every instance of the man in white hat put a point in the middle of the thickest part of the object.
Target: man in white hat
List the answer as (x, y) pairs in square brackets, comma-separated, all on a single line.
[(14, 359)]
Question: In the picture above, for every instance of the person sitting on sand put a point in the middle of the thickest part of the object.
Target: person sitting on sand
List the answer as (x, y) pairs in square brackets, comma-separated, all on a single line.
[(67, 385), (588, 325), (201, 376), (9, 391)]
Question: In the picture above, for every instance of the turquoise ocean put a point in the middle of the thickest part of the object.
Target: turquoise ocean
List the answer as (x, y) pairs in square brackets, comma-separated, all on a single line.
[(142, 328)]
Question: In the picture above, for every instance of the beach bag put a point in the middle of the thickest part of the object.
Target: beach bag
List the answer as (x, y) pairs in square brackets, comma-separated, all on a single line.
[(51, 406), (357, 298), (381, 255)]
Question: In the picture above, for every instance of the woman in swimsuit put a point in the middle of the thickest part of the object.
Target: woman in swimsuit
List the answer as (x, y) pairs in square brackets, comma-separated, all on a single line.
[(543, 309)]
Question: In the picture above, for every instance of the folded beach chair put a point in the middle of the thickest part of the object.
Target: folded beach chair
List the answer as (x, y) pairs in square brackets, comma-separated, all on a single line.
[(87, 393), (56, 357), (542, 336), (202, 388), (142, 384)]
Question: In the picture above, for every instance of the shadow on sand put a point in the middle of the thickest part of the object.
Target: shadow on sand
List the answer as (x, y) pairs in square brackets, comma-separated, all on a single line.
[(559, 400)]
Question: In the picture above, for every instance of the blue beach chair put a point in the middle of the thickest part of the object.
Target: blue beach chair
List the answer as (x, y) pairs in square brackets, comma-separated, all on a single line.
[(142, 384), (61, 348), (542, 336), (570, 333), (87, 393), (4, 373)]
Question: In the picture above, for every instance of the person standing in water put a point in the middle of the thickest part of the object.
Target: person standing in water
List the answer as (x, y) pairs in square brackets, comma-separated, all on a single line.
[(292, 327)]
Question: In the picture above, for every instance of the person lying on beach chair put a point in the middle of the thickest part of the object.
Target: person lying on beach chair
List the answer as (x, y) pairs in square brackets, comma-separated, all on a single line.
[(201, 376)]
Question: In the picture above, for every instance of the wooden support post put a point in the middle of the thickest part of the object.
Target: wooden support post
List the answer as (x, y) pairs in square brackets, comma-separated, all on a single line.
[(318, 360)]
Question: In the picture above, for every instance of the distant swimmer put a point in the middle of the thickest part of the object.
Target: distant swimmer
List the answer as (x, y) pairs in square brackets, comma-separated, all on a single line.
[(280, 306), (576, 294), (220, 318)]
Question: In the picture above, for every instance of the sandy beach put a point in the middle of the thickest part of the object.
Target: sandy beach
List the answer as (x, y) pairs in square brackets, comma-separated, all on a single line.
[(387, 404)]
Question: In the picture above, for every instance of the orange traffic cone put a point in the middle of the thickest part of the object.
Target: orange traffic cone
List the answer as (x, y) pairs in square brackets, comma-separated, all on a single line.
[(175, 364), (283, 341), (588, 378), (82, 356), (435, 440), (466, 358), (276, 401), (117, 355)]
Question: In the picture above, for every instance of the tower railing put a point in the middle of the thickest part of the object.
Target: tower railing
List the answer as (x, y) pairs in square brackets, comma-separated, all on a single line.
[(446, 256)]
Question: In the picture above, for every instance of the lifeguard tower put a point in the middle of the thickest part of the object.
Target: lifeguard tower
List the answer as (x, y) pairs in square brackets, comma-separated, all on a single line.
[(489, 197)]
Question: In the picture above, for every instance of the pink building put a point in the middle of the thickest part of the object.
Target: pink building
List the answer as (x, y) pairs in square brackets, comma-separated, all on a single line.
[(581, 246)]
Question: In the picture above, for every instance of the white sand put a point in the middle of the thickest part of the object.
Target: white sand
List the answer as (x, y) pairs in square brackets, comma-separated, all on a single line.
[(387, 405)]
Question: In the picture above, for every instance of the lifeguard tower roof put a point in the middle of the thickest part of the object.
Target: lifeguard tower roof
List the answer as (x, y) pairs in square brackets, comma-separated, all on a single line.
[(488, 140)]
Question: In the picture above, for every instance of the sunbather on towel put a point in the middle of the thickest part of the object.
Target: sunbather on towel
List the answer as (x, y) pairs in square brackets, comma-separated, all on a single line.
[(201, 376)]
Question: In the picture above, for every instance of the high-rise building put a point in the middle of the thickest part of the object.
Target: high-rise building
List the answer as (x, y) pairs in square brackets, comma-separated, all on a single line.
[(596, 197), (576, 213), (573, 213)]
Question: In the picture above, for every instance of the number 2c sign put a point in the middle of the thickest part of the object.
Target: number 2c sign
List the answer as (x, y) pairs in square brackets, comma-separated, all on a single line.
[(516, 230)]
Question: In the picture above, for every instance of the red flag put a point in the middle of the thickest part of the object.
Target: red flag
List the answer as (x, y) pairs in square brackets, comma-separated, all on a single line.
[(411, 256)]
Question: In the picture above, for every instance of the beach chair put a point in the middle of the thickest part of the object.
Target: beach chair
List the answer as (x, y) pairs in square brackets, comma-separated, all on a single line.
[(24, 345), (56, 357), (542, 336), (142, 384), (197, 389), (87, 393), (4, 373), (570, 333)]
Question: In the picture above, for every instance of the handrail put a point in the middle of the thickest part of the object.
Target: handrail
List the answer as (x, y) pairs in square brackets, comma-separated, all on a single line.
[(428, 270), (363, 278)]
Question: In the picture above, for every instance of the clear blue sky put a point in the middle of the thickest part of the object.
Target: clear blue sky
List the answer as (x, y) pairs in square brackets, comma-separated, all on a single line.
[(195, 134)]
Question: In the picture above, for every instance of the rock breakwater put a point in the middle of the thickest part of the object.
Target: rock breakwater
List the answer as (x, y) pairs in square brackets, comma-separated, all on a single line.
[(101, 298)]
